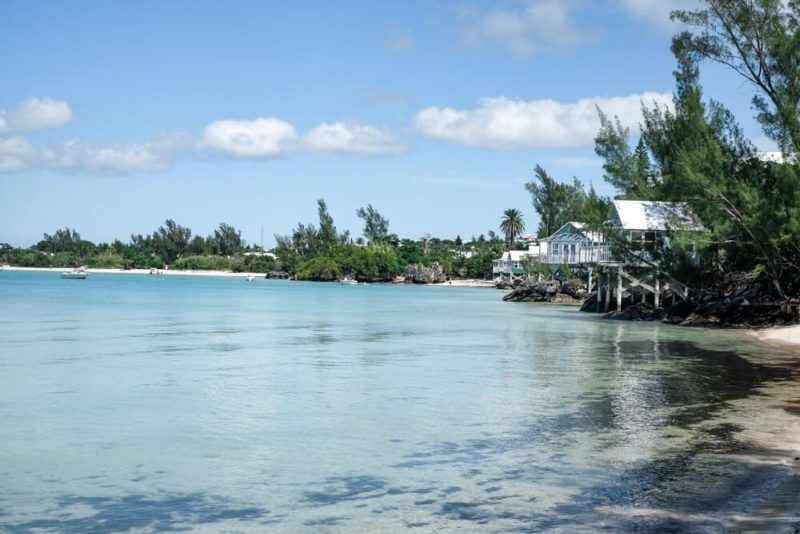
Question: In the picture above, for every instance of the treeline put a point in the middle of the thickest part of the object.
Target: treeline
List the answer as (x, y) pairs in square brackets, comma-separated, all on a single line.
[(321, 252), (746, 206), (311, 252), (170, 245)]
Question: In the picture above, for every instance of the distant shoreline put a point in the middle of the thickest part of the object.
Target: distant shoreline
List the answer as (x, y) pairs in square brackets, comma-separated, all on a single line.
[(462, 282), (162, 272)]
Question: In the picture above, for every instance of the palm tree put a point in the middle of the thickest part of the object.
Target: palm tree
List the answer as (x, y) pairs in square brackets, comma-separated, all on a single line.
[(512, 224)]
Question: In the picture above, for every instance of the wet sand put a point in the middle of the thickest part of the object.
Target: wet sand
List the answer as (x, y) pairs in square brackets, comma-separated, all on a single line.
[(786, 334)]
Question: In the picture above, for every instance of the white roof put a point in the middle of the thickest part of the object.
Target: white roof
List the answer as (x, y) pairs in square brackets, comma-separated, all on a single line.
[(514, 255), (647, 215), (775, 157), (579, 227)]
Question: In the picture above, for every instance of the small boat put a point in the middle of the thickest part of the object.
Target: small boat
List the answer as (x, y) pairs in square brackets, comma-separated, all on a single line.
[(75, 274), (348, 281), (250, 278)]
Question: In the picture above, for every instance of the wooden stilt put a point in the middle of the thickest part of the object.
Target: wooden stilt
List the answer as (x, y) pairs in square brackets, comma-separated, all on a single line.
[(657, 294), (599, 292), (608, 290), (619, 289)]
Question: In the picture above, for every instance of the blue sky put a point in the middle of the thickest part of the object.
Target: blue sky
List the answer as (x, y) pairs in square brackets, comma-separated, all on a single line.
[(117, 115)]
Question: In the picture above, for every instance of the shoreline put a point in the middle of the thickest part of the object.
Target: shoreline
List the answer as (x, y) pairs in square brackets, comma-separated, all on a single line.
[(461, 282), (163, 272), (789, 335)]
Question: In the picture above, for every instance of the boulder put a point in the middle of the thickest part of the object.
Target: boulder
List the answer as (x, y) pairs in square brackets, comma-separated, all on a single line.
[(535, 292), (574, 288), (640, 311), (420, 274), (278, 275)]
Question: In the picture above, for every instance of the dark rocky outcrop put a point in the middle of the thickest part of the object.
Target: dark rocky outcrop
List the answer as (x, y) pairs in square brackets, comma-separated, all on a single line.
[(420, 274), (277, 275), (546, 291), (640, 311), (739, 300), (575, 289)]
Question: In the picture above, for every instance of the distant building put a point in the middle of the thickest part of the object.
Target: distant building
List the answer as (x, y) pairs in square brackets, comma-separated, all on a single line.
[(643, 224), (261, 254)]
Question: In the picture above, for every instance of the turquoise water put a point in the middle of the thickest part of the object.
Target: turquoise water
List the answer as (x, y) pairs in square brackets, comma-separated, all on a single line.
[(134, 403)]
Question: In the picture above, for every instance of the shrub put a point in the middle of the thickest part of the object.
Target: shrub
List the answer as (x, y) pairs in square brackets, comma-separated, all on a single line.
[(202, 263), (321, 268), (106, 260)]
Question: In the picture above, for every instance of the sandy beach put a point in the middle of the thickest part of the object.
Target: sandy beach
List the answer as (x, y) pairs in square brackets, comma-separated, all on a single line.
[(785, 334), (467, 282), (162, 272)]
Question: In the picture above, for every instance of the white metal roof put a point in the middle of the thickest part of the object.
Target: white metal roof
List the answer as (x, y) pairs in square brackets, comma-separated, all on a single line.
[(775, 157), (649, 215), (514, 255), (579, 229)]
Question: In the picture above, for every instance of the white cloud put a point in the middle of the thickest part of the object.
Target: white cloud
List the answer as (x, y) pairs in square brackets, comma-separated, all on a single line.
[(351, 138), (260, 138), (400, 41), (35, 114), (16, 154), (156, 155), (507, 123), (657, 11), (536, 26)]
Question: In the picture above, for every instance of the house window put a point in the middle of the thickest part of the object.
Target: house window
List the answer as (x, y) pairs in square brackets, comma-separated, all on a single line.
[(555, 249)]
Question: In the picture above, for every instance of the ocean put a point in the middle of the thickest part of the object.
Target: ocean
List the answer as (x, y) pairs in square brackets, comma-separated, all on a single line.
[(151, 404)]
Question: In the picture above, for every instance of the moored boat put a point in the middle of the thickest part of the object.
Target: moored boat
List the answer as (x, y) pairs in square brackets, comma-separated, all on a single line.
[(348, 281), (75, 274)]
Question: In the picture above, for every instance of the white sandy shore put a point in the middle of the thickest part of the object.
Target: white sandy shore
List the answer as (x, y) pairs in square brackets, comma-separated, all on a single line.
[(135, 271), (451, 283), (468, 282), (785, 334)]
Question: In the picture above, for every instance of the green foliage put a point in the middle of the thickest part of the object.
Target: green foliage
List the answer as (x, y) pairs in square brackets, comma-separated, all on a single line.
[(628, 171), (376, 227), (171, 241), (226, 241), (566, 272), (559, 203), (34, 258), (375, 262), (107, 259), (259, 264), (749, 210), (319, 268), (534, 267), (758, 40), (202, 263), (512, 224)]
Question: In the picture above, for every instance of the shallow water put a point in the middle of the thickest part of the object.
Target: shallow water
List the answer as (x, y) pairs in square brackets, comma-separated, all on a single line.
[(157, 404)]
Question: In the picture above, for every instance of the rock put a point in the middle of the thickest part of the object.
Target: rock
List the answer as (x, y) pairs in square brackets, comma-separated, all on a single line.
[(574, 288), (279, 275), (420, 274), (535, 292), (590, 303), (638, 312)]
